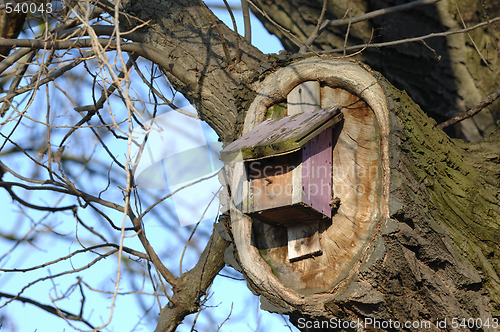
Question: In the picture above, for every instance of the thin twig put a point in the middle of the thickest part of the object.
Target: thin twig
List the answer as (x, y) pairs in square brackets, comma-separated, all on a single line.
[(235, 27), (485, 103), (227, 318), (18, 76), (16, 198), (375, 13), (53, 310), (213, 19), (92, 109), (286, 32), (85, 250), (315, 33), (415, 39), (348, 30), (246, 20), (472, 40), (49, 277)]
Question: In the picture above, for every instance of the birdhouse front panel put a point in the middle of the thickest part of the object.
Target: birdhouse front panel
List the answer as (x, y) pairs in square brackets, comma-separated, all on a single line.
[(270, 181), (295, 188)]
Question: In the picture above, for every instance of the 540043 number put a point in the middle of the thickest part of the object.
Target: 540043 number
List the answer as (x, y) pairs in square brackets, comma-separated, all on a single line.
[(28, 7)]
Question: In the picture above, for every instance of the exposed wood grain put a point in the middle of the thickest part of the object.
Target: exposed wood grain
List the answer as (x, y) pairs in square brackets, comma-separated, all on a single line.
[(309, 284), (303, 241), (304, 97)]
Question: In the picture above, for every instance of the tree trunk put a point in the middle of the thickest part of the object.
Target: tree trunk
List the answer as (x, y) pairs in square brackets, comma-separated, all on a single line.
[(432, 252), (427, 253)]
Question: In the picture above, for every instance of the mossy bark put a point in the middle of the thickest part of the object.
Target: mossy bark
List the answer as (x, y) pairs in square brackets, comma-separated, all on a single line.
[(445, 198)]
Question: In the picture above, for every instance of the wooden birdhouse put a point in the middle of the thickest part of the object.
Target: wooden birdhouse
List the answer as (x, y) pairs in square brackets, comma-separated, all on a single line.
[(288, 163), (289, 167)]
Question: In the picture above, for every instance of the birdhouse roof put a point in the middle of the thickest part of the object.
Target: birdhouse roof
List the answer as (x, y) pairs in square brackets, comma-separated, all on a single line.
[(281, 136)]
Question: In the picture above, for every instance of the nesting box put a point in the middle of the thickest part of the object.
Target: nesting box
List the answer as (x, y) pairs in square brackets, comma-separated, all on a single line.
[(288, 165)]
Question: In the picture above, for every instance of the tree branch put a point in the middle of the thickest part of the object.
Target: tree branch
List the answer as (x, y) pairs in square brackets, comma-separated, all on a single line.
[(50, 309), (246, 20), (375, 13), (471, 112), (193, 285), (414, 39)]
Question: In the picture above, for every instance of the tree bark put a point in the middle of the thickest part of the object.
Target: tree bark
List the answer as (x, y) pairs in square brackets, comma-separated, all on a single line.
[(435, 255)]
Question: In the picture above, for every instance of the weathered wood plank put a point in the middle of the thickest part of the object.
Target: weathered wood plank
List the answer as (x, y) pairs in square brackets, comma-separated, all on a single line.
[(304, 240), (304, 97), (276, 137), (317, 172)]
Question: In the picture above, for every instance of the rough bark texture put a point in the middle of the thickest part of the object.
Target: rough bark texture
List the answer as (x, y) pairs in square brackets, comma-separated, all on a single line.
[(441, 251), (433, 256), (436, 256), (445, 76)]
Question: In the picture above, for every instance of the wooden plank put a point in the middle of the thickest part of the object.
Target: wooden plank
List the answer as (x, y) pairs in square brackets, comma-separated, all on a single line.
[(271, 182), (303, 240), (304, 97), (317, 172), (276, 137)]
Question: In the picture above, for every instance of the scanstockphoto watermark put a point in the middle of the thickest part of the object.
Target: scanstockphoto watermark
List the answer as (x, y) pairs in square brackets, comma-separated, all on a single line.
[(176, 153), (365, 323), (368, 322), (259, 169)]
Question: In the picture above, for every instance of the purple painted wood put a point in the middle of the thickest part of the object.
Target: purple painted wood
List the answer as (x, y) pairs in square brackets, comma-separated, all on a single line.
[(317, 172)]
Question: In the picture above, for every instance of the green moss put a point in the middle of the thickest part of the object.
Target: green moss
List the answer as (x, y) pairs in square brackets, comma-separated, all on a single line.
[(277, 111), (456, 192)]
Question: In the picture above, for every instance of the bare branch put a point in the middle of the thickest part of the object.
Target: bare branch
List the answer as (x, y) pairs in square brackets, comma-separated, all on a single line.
[(193, 284), (235, 27), (286, 32), (246, 20), (316, 32), (375, 13), (415, 39), (85, 250), (471, 112), (213, 19), (50, 309)]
